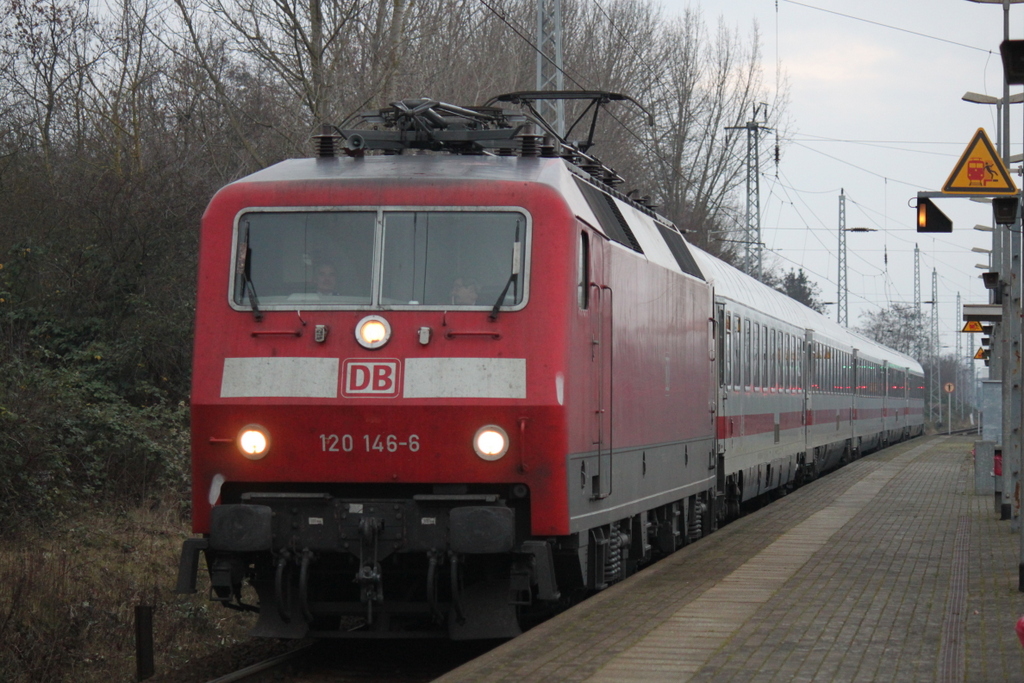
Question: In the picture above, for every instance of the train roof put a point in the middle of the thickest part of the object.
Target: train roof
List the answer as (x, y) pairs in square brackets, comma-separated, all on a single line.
[(733, 284), (630, 224), (406, 166)]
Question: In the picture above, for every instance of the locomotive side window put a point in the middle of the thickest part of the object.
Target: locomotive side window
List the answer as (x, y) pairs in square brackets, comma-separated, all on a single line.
[(583, 272)]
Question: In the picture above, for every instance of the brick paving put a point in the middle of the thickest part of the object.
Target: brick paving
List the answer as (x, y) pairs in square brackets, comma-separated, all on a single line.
[(888, 570)]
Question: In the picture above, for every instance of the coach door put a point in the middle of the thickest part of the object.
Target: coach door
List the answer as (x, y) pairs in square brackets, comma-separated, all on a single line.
[(602, 340)]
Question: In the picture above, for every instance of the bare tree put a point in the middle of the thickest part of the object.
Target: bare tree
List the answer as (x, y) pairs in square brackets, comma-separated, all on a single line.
[(710, 83), (44, 50), (899, 327)]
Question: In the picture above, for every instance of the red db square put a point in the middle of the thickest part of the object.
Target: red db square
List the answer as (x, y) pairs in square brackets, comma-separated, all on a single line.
[(373, 377)]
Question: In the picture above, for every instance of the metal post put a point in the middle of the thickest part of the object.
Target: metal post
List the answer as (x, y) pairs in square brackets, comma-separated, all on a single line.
[(143, 642), (550, 75), (918, 352), (1013, 361), (957, 374), (842, 299), (935, 390)]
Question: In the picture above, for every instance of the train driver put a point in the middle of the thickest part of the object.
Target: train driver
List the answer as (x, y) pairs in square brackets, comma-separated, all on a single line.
[(465, 292), (326, 280)]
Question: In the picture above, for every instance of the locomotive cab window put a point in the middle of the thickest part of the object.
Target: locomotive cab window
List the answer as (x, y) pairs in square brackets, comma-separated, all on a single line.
[(380, 258)]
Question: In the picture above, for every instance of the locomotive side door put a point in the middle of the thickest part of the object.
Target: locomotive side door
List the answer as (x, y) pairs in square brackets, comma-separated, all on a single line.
[(602, 340)]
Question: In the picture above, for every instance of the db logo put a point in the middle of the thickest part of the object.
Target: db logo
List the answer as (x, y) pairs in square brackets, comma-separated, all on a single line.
[(380, 378)]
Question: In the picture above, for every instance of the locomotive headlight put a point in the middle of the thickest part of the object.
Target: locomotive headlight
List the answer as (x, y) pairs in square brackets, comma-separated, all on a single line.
[(373, 332), (490, 442), (253, 441)]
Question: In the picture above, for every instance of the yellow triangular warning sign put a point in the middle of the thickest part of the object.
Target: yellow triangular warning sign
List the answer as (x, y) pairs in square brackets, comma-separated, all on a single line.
[(980, 171), (982, 354), (972, 326)]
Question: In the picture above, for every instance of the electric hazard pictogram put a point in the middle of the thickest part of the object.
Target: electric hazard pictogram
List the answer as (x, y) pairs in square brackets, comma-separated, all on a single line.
[(980, 171), (982, 354), (972, 326)]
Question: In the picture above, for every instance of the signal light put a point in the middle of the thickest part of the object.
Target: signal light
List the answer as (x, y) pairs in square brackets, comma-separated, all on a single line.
[(1004, 210), (1012, 53), (930, 218)]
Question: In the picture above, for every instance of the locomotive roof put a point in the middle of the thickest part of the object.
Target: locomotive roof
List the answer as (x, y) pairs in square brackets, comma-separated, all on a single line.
[(735, 285), (427, 166), (631, 225)]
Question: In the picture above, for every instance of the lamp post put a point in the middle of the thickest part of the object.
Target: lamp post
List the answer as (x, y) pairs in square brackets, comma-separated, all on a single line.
[(1006, 247)]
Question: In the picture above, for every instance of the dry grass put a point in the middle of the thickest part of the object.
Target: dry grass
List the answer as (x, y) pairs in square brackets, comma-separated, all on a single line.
[(67, 601)]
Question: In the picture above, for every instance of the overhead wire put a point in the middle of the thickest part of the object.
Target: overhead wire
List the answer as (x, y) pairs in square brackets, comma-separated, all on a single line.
[(889, 26), (795, 140)]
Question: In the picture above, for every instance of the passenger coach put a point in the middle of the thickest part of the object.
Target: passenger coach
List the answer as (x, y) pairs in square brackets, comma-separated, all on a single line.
[(799, 394)]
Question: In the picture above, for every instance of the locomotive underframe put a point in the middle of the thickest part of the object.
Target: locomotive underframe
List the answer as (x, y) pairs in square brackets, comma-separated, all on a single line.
[(459, 565), (456, 565)]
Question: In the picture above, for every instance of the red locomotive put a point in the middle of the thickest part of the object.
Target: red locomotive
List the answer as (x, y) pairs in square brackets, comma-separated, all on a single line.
[(440, 391)]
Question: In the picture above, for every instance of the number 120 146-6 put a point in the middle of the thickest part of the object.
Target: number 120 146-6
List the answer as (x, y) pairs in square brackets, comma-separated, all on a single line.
[(346, 443)]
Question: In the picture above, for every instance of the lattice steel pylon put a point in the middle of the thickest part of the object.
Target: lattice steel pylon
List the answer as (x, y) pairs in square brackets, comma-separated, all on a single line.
[(550, 75), (842, 309), (752, 253)]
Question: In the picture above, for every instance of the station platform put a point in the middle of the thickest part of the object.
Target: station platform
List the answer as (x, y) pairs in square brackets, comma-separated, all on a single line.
[(889, 569)]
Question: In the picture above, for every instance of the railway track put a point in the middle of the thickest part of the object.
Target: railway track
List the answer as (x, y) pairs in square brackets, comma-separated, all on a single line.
[(251, 672)]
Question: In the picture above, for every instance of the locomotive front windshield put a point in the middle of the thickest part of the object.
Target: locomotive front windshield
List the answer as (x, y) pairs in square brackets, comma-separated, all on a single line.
[(383, 258)]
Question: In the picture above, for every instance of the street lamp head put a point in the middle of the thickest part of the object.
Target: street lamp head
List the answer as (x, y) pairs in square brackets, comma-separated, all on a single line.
[(861, 229), (978, 98), (984, 228)]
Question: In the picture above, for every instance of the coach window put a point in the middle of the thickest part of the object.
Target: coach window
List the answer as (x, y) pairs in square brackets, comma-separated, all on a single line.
[(756, 355), (791, 365), (833, 367), (737, 356), (818, 367), (774, 352), (787, 370), (764, 358), (727, 351), (746, 354)]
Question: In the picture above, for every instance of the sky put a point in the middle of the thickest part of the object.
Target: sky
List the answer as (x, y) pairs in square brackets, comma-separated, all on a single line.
[(875, 110)]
